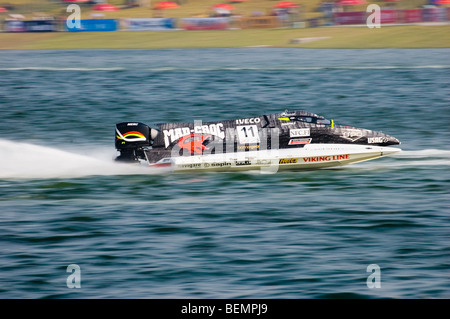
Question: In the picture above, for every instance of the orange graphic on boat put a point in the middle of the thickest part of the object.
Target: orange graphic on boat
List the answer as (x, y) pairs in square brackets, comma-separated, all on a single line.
[(193, 143)]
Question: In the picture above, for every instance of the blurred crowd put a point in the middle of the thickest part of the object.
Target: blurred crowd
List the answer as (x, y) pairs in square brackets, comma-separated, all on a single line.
[(280, 14)]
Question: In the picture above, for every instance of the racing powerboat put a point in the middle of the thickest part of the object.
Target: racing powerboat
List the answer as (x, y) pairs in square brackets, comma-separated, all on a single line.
[(291, 140)]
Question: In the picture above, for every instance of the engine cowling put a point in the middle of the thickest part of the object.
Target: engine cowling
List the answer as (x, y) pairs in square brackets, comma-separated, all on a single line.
[(131, 139)]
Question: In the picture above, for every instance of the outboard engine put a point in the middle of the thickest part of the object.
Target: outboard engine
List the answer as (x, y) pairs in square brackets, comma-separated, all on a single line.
[(131, 140)]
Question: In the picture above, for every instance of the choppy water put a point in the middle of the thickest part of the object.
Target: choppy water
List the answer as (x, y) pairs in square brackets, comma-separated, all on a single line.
[(221, 235)]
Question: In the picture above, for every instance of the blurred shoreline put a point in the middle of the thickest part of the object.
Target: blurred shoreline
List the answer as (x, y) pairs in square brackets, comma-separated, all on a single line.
[(335, 37), (327, 24)]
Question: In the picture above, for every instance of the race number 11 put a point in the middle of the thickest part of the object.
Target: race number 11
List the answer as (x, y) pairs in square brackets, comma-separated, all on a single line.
[(248, 134)]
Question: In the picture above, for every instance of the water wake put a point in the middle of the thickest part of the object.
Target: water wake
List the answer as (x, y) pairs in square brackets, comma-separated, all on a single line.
[(29, 161), (426, 153), (410, 159)]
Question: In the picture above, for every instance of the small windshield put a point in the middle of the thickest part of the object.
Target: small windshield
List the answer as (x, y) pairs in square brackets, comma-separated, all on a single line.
[(323, 121), (314, 120), (307, 119)]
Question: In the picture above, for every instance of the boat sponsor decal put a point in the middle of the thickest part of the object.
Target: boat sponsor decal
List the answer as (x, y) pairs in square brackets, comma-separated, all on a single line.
[(352, 135), (206, 165), (299, 141), (174, 134), (218, 164), (299, 132), (193, 143), (253, 147), (326, 158), (242, 163), (248, 134), (197, 165), (376, 140), (288, 160), (253, 120)]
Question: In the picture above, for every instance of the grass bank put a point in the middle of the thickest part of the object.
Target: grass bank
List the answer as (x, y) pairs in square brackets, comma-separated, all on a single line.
[(411, 36)]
